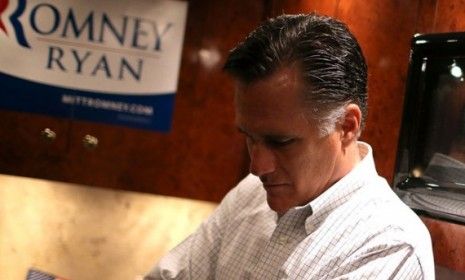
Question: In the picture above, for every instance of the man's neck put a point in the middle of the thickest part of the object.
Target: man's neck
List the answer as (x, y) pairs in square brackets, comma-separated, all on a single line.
[(349, 158)]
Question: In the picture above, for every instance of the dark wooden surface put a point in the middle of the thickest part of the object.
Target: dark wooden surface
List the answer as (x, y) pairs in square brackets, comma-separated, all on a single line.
[(426, 16), (448, 243), (449, 16), (328, 7)]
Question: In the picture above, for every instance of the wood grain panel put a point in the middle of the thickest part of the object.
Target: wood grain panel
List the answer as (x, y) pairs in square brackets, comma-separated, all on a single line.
[(450, 16), (448, 243), (303, 6), (426, 16), (22, 148), (21, 137), (384, 29)]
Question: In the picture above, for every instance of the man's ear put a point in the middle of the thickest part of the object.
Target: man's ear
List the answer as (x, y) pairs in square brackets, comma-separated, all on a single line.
[(351, 124)]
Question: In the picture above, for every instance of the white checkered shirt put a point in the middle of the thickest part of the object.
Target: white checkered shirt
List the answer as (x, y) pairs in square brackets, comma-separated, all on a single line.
[(356, 229)]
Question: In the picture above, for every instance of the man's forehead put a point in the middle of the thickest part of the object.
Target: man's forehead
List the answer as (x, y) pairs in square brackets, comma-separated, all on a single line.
[(280, 93), (272, 105), (282, 78)]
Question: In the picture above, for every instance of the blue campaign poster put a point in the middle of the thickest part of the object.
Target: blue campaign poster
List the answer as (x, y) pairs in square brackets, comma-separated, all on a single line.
[(115, 62)]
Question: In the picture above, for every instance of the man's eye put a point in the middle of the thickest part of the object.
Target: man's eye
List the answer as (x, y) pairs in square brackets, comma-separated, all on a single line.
[(282, 142)]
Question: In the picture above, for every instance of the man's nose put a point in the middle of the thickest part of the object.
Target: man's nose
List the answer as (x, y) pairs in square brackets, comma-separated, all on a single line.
[(262, 160)]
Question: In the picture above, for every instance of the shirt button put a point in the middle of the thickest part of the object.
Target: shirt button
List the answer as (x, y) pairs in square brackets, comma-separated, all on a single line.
[(282, 240)]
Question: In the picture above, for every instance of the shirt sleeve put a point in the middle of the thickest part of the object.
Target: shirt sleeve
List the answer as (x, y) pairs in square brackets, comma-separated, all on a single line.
[(395, 261), (196, 256)]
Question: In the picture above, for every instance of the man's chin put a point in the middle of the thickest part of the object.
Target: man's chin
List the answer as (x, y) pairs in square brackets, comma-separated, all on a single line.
[(278, 205)]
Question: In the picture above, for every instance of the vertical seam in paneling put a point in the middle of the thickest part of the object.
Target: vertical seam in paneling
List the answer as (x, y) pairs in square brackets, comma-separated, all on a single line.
[(435, 16), (417, 17), (70, 130), (336, 9), (267, 9), (69, 133), (430, 26)]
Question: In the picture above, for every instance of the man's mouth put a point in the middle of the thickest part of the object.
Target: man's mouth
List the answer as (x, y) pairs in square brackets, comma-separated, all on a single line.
[(272, 186)]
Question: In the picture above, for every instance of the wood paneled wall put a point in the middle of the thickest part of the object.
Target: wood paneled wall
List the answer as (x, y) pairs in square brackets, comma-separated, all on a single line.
[(384, 29), (448, 243)]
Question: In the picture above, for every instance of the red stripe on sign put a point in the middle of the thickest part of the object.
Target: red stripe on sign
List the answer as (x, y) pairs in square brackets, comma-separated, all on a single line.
[(3, 5)]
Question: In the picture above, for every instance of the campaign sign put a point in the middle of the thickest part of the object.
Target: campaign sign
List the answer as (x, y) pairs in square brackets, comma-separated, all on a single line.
[(108, 61)]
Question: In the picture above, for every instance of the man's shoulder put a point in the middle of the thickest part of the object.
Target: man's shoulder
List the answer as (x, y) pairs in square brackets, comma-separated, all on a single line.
[(388, 221), (378, 205)]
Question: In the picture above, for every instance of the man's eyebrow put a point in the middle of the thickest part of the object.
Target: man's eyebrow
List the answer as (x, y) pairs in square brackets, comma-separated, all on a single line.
[(266, 135)]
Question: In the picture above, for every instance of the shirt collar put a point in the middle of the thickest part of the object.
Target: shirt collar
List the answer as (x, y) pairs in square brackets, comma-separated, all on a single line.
[(342, 190)]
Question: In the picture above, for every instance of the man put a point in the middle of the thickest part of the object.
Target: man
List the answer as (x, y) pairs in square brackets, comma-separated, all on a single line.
[(314, 208)]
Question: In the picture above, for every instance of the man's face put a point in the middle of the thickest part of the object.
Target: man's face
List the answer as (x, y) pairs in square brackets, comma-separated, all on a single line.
[(286, 151)]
